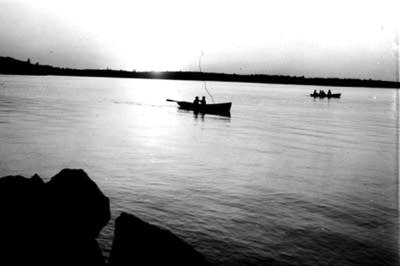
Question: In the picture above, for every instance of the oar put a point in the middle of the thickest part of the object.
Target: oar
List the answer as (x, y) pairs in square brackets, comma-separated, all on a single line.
[(169, 100)]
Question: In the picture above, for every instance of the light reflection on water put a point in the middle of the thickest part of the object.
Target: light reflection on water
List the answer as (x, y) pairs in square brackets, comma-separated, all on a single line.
[(286, 179)]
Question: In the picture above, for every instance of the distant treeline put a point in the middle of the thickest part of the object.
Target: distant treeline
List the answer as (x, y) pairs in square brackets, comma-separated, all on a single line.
[(17, 67)]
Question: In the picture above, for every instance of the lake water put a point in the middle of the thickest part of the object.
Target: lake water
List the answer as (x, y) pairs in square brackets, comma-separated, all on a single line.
[(286, 180)]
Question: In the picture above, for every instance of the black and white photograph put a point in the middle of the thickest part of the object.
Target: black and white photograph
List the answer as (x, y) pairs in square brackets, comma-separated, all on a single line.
[(199, 133)]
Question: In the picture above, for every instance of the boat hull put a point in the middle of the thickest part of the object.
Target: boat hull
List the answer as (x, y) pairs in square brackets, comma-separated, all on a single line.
[(333, 95), (216, 108)]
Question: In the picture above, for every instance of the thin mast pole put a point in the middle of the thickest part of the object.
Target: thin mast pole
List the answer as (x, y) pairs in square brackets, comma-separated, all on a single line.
[(204, 81)]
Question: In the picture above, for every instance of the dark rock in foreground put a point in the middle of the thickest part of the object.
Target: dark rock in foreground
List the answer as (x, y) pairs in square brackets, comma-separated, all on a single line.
[(77, 207), (21, 220), (78, 202), (51, 223), (139, 243), (56, 223)]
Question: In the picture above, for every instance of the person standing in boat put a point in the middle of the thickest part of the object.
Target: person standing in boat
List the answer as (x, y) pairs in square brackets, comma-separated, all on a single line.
[(329, 93), (203, 100), (196, 101)]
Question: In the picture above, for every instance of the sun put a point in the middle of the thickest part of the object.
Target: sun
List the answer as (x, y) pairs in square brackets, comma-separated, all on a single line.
[(153, 60)]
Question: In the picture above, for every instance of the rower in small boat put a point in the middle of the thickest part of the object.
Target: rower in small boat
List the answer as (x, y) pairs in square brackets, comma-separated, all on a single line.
[(196, 100), (322, 94), (203, 100)]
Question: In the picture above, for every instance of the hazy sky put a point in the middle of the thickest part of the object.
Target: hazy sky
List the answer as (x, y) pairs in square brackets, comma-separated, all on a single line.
[(315, 38)]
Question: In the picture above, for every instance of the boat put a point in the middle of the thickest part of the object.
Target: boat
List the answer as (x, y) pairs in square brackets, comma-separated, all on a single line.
[(210, 108), (223, 109), (332, 95)]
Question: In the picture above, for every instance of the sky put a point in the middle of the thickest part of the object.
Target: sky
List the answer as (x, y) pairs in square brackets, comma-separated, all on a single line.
[(312, 38)]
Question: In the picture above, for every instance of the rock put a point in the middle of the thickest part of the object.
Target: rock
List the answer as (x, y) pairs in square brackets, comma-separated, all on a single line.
[(53, 223), (78, 207), (56, 223), (21, 222), (76, 201), (35, 179), (139, 243)]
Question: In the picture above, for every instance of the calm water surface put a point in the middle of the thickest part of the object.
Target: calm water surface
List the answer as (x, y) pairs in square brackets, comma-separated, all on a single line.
[(286, 180)]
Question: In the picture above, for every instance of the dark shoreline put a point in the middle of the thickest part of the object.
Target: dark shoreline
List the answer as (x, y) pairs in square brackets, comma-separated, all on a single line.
[(13, 66)]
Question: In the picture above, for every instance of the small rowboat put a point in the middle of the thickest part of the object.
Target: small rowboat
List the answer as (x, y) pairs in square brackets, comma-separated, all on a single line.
[(333, 95), (214, 108)]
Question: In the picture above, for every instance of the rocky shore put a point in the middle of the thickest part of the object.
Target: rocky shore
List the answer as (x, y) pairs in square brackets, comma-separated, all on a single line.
[(57, 223)]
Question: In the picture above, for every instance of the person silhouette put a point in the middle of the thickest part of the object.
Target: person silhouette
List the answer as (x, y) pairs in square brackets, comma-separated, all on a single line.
[(196, 100), (203, 100), (329, 93)]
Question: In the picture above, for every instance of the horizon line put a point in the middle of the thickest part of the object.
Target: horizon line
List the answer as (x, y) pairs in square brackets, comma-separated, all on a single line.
[(159, 72)]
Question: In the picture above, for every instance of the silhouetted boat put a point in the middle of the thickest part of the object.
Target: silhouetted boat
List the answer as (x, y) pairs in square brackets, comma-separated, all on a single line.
[(214, 108), (333, 95)]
